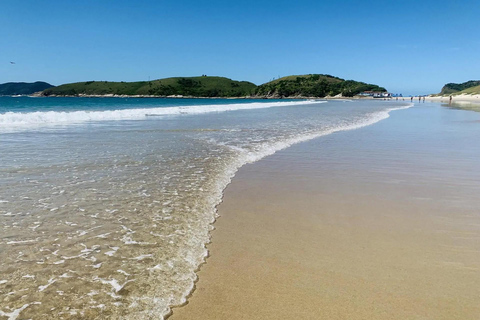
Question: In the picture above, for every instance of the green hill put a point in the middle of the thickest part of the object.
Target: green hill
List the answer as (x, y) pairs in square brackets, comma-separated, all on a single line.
[(186, 86), (469, 87), (314, 85), (471, 90), (15, 88)]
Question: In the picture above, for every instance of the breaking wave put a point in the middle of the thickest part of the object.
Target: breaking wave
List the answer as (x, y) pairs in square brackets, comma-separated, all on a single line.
[(26, 120)]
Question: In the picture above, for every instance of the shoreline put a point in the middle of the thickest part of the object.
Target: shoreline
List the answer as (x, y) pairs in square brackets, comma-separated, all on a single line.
[(234, 175), (460, 99), (231, 253), (469, 98), (378, 118), (193, 97)]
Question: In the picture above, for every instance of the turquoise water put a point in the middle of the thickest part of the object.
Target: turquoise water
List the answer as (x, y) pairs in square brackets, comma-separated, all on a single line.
[(30, 104), (106, 204)]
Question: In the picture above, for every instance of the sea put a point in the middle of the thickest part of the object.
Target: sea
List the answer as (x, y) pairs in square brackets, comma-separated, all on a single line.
[(107, 204)]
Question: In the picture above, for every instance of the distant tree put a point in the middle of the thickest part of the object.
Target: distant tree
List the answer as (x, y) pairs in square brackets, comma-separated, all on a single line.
[(188, 83)]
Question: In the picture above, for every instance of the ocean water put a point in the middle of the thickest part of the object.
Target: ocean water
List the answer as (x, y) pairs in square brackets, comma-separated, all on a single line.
[(106, 204)]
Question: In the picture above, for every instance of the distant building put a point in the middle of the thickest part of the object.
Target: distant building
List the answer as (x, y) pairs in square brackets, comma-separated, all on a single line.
[(366, 94), (375, 94)]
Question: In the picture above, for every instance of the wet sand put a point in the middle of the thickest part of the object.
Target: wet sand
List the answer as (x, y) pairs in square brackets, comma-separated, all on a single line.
[(376, 223), (468, 98)]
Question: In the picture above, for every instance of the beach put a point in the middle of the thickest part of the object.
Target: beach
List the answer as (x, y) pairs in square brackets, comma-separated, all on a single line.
[(473, 98), (460, 101), (380, 222), (194, 160), (107, 204)]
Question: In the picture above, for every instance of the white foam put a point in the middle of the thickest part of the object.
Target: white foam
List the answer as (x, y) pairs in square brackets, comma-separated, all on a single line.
[(103, 236), (15, 313), (37, 224), (270, 149), (21, 120), (22, 241), (114, 283), (128, 240), (50, 282), (83, 255), (143, 257), (249, 157), (194, 259), (92, 293), (112, 252), (87, 250), (123, 272)]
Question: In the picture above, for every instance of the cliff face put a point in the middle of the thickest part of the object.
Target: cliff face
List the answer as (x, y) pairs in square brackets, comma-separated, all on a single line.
[(15, 88)]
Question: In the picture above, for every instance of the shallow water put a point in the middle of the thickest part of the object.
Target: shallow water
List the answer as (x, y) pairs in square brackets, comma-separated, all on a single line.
[(106, 205), (377, 223), (465, 105)]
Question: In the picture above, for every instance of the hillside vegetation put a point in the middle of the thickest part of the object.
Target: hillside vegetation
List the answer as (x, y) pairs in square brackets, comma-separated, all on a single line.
[(471, 90), (15, 88), (314, 85), (203, 86), (469, 87)]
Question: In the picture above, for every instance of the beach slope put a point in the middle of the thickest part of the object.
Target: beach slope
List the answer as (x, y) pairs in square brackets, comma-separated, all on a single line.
[(377, 223)]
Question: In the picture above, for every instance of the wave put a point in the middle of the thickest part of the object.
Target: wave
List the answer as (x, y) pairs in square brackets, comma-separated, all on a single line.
[(194, 251), (245, 157), (270, 149), (27, 120)]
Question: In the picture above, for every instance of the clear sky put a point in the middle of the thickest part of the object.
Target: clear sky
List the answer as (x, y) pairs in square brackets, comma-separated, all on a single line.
[(409, 47)]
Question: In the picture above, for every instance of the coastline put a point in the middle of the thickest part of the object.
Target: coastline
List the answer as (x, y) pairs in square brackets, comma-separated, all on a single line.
[(462, 101), (170, 265), (195, 97), (353, 248), (463, 98), (455, 98)]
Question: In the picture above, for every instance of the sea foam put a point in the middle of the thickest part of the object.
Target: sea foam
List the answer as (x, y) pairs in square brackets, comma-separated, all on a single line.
[(129, 250), (245, 157), (27, 120)]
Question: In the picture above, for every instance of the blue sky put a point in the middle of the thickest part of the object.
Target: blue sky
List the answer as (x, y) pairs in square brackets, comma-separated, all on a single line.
[(409, 47)]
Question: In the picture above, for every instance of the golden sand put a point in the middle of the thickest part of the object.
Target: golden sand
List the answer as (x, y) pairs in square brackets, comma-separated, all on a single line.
[(296, 241), (284, 255)]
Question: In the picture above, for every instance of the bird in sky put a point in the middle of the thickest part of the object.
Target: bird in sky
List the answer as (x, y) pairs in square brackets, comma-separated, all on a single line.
[(12, 62)]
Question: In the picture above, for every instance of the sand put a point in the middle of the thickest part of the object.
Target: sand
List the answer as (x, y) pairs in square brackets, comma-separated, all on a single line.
[(461, 101), (346, 227), (455, 98)]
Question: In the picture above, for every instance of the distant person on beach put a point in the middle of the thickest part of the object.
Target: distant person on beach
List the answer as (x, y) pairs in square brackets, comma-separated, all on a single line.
[(419, 98), (450, 102), (411, 99), (423, 99)]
